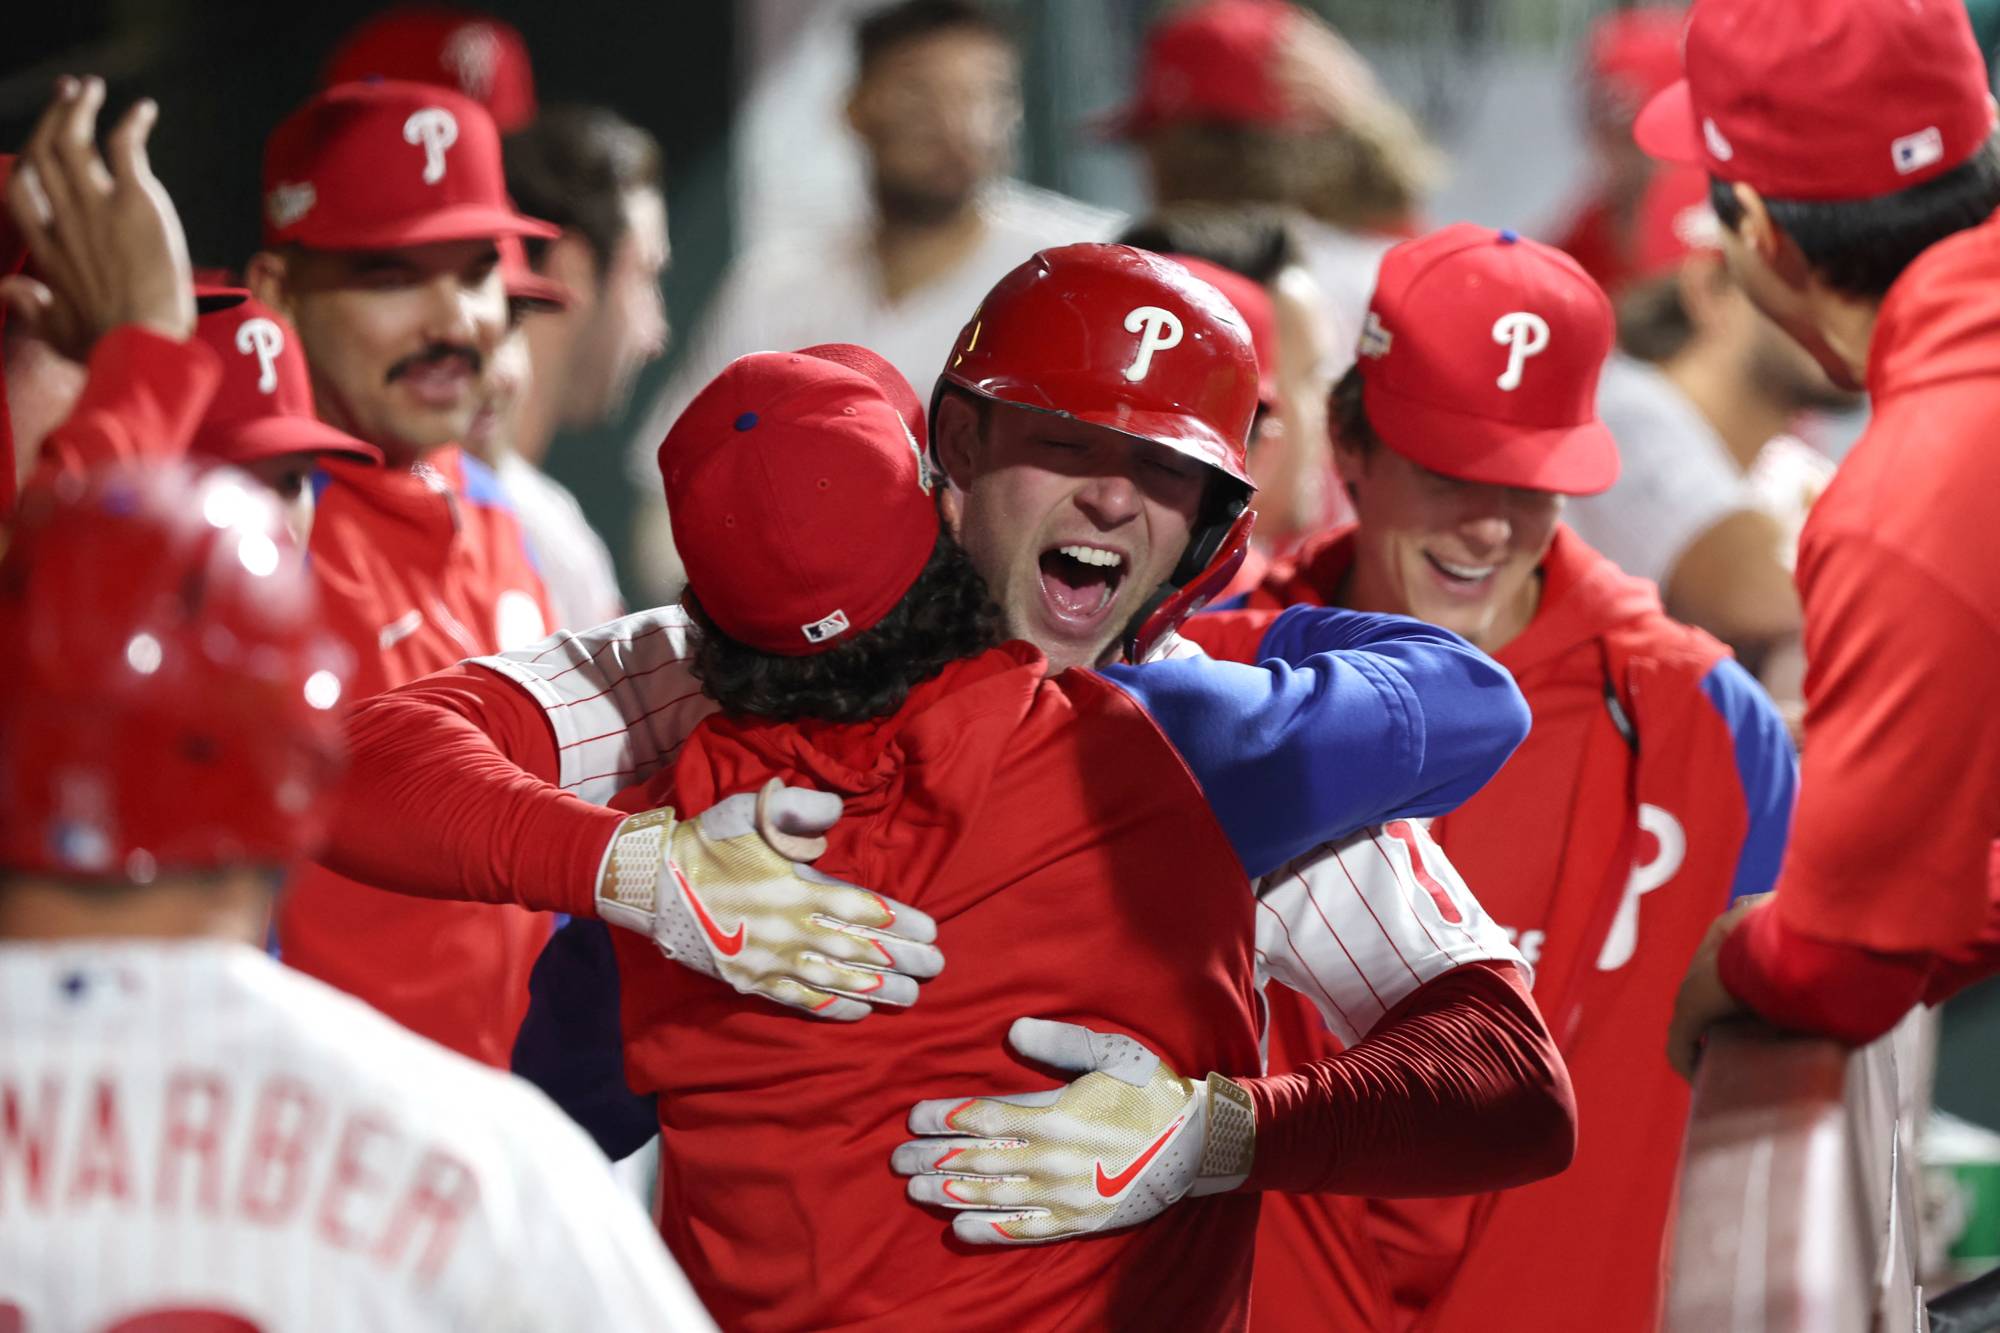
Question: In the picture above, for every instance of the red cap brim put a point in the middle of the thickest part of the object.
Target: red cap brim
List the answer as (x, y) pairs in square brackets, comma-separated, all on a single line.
[(1566, 460), (259, 438), (1666, 128), (465, 222), (537, 292)]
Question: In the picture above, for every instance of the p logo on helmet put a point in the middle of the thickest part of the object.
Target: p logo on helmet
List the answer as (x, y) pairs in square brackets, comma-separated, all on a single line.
[(1159, 330)]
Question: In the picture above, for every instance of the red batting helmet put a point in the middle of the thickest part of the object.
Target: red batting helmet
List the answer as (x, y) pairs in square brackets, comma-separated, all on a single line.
[(1130, 341), (170, 697)]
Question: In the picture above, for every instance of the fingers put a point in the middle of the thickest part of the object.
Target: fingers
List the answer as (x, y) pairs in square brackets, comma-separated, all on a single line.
[(75, 142), (876, 950), (818, 1003), (27, 300), (1025, 1226), (953, 1191), (1079, 1050), (1003, 1117), (837, 903), (126, 147), (799, 810), (957, 1156), (861, 983)]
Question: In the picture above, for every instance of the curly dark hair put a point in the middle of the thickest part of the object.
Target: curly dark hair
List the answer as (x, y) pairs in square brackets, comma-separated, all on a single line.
[(946, 615)]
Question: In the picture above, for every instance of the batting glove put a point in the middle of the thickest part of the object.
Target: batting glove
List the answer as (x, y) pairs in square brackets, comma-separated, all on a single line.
[(1119, 1145), (730, 896)]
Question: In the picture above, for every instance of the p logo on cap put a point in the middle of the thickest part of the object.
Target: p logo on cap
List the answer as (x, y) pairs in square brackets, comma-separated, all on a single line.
[(263, 339), (434, 128)]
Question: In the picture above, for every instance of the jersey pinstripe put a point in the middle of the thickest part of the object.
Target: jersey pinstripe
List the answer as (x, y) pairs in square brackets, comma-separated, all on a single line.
[(188, 1127), (1355, 926)]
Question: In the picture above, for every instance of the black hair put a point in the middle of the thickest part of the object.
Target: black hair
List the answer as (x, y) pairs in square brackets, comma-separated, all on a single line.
[(908, 20), (574, 166), (1861, 246), (946, 615), (1347, 415), (1254, 240)]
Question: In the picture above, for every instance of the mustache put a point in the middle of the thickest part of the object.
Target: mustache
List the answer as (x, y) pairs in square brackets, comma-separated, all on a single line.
[(435, 353)]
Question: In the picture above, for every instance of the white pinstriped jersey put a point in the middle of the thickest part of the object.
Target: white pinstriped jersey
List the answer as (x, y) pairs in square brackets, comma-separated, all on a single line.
[(194, 1139), (1355, 926)]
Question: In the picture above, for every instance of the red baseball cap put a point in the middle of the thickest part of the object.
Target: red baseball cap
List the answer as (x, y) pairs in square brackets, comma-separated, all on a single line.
[(1838, 99), (1215, 62), (264, 406), (1631, 55), (1675, 221), (1254, 304), (372, 166), (1480, 358), (800, 501), (474, 54)]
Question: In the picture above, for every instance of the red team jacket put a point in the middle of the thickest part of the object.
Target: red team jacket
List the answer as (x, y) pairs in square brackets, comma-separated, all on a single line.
[(418, 568), (1899, 571), (1076, 873), (1655, 785)]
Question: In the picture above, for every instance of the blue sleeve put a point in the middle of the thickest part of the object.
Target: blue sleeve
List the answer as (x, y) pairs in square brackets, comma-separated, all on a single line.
[(571, 1045), (1766, 765), (1350, 720)]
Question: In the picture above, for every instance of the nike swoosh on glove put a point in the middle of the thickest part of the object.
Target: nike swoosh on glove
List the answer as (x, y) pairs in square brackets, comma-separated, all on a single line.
[(1122, 1143), (731, 896)]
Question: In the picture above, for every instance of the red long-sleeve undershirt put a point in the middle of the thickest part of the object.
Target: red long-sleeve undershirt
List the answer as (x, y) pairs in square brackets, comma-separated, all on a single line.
[(1806, 984), (451, 793), (144, 396), (1459, 1090)]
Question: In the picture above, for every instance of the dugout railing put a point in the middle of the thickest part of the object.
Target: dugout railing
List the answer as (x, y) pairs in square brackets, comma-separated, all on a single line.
[(1797, 1209)]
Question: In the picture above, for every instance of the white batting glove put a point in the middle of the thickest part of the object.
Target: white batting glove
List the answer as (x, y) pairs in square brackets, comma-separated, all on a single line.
[(1117, 1146), (730, 895)]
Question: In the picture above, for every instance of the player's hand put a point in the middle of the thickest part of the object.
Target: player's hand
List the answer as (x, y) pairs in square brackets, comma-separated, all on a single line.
[(1703, 1000), (1123, 1142), (731, 896), (103, 234)]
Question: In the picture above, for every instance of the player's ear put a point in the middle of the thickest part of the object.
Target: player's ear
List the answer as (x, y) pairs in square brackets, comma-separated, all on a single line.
[(265, 276), (955, 437)]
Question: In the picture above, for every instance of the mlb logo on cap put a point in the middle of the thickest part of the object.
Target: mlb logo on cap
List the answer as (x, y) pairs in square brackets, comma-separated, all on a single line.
[(1480, 360)]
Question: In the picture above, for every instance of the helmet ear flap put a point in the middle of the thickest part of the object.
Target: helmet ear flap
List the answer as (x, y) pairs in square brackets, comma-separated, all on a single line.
[(1214, 554)]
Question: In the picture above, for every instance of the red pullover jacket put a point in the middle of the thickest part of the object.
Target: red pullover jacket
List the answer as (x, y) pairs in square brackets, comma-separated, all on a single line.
[(1887, 892), (1655, 785), (417, 568)]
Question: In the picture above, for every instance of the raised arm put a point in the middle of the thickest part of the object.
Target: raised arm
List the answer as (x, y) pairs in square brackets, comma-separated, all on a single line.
[(1347, 720)]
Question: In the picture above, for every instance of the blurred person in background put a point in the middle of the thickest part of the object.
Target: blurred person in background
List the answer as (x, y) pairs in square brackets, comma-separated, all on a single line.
[(1628, 55), (169, 748), (936, 104), (473, 54), (601, 321), (1654, 788), (1290, 459), (384, 208), (1715, 488), (1872, 243), (1258, 102)]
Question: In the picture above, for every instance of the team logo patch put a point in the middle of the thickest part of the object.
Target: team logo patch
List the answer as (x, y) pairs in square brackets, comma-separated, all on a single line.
[(434, 129), (1375, 340), (1159, 331), (1524, 334), (1914, 152), (924, 478), (472, 54), (263, 339), (822, 630), (286, 204)]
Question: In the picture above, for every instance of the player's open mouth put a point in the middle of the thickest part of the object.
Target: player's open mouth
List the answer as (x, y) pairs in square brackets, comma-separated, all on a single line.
[(1080, 581), (1460, 576)]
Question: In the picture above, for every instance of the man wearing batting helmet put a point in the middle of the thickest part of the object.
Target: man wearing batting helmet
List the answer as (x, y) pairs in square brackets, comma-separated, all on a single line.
[(200, 1137)]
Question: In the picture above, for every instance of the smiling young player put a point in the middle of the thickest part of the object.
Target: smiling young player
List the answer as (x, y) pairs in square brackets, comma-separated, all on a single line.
[(1655, 786)]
